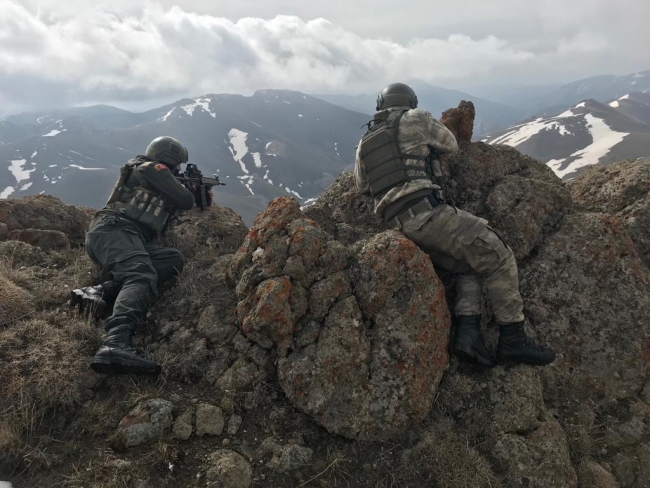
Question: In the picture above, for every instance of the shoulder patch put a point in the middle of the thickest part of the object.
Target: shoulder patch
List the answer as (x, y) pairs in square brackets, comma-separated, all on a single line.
[(161, 167)]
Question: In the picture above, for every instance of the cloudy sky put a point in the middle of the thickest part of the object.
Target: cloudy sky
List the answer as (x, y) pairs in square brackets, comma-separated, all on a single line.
[(140, 54)]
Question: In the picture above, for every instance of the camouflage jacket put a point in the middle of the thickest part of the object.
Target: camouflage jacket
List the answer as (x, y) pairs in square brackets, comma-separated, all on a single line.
[(418, 130)]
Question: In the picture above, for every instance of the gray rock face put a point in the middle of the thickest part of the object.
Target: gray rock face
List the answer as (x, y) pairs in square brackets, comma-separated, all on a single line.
[(183, 425), (230, 469), (209, 420), (147, 422), (44, 212), (361, 332), (621, 189)]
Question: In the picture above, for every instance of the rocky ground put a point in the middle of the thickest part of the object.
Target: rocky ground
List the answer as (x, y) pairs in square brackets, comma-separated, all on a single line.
[(311, 350)]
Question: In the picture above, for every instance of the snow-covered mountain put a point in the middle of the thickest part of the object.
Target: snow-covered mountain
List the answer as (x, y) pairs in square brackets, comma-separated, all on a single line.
[(588, 133), (601, 88), (490, 116), (272, 143)]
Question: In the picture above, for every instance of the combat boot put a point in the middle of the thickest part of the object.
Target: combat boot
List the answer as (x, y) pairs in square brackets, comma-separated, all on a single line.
[(467, 342), (97, 300), (516, 346), (117, 355)]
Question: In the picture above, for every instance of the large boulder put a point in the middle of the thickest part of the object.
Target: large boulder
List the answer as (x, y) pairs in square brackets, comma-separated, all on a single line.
[(622, 189), (360, 332), (45, 212), (460, 121)]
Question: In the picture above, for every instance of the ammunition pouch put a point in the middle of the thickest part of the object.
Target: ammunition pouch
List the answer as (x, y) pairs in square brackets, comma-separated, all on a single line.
[(149, 209)]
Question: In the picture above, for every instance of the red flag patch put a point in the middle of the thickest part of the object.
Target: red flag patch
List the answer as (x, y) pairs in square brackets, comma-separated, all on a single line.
[(161, 167)]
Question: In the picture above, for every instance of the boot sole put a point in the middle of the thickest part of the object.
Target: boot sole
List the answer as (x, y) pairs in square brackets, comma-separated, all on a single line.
[(473, 358), (124, 367)]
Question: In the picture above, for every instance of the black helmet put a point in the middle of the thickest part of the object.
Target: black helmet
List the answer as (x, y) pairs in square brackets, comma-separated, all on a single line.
[(397, 95), (167, 150)]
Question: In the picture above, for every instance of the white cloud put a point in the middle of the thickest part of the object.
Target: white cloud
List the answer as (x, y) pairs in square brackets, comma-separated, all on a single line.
[(154, 52)]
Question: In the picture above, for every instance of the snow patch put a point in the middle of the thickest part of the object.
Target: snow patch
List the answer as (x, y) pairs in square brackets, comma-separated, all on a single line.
[(604, 139), (238, 148), (38, 120), (625, 97), (308, 202), (54, 132), (16, 169), (25, 187), (203, 103), (257, 159), (33, 155), (4, 195), (52, 165), (614, 104), (164, 117), (290, 191), (336, 149), (288, 103), (580, 105), (266, 177), (299, 115), (523, 132), (82, 168)]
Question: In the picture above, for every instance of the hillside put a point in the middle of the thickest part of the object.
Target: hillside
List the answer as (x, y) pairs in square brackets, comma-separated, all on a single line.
[(588, 133), (311, 349), (270, 144)]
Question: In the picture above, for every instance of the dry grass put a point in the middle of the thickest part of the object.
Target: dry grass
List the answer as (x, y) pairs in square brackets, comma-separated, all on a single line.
[(43, 364), (448, 461), (15, 303)]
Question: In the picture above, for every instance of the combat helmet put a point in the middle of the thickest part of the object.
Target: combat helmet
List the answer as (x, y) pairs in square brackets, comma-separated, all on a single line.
[(167, 150), (397, 95)]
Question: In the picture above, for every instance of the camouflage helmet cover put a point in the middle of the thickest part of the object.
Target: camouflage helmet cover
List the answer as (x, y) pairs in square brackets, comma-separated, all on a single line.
[(397, 95), (167, 150)]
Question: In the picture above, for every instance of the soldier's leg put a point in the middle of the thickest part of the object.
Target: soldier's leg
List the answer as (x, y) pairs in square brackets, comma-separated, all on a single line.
[(167, 261), (117, 245)]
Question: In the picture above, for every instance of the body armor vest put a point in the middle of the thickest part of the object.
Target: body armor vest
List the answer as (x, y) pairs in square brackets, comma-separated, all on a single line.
[(139, 204), (385, 165)]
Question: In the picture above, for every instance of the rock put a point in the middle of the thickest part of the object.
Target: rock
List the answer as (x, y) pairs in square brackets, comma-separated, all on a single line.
[(15, 303), (520, 197), (4, 231), (539, 461), (290, 457), (45, 212), (585, 291), (621, 189), (182, 429), (369, 361), (213, 325), (593, 475), (460, 121), (19, 253), (234, 423), (230, 469), (209, 420), (147, 422), (217, 230), (47, 240), (240, 375)]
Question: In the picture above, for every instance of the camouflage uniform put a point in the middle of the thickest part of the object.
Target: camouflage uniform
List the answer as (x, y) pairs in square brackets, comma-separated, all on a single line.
[(124, 247), (456, 240)]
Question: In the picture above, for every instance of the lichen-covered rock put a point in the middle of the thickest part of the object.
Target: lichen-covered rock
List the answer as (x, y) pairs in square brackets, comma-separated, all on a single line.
[(520, 196), (47, 240), (45, 212), (622, 189), (183, 425), (147, 422), (586, 294), (360, 333), (460, 121), (216, 229), (230, 469)]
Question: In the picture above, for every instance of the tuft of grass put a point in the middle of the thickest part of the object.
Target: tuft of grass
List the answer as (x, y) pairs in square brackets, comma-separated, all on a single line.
[(15, 303), (447, 461)]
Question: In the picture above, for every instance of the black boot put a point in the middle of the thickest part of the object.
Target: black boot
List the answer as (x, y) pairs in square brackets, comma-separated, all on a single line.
[(97, 300), (516, 346), (118, 356), (467, 342)]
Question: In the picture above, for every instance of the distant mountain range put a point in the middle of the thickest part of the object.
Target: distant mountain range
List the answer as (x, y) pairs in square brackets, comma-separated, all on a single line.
[(588, 133), (490, 116), (272, 143)]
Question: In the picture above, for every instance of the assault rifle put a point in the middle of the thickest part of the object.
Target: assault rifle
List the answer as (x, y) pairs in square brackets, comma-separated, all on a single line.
[(199, 185)]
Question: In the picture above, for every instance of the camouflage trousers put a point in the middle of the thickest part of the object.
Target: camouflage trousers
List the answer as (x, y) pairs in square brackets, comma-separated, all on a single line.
[(117, 244), (464, 244)]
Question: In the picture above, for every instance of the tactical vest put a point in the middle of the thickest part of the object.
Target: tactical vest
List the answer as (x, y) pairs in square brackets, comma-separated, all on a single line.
[(137, 203), (385, 165)]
